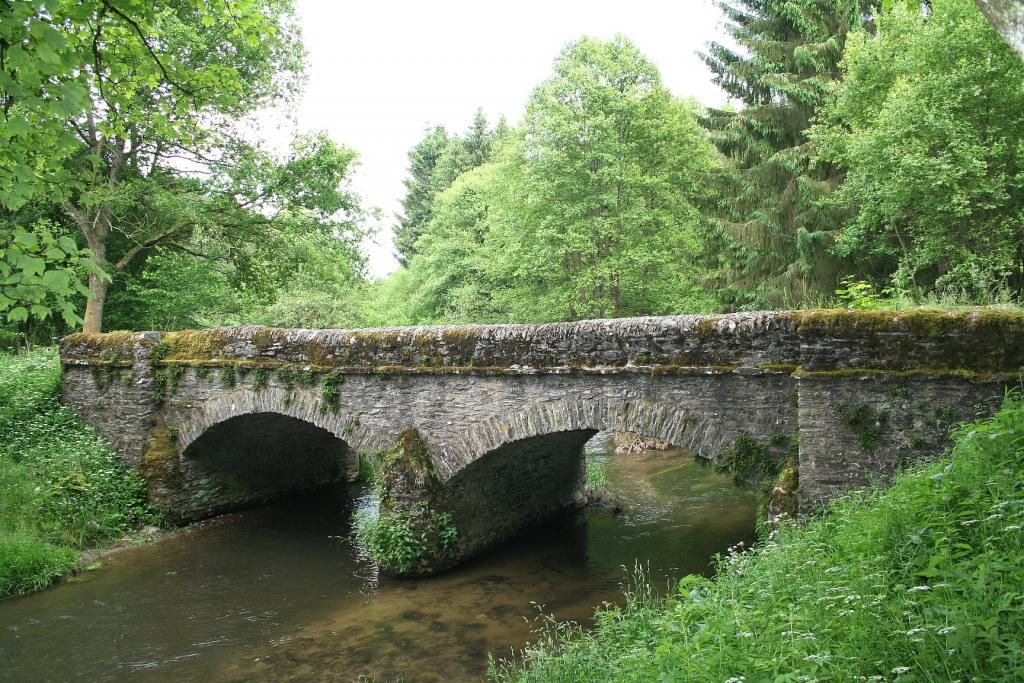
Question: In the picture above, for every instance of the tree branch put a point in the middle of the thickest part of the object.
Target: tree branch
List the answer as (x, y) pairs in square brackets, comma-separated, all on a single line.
[(146, 244)]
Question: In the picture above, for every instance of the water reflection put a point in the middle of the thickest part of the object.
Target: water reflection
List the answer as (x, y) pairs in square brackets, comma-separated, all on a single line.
[(267, 595)]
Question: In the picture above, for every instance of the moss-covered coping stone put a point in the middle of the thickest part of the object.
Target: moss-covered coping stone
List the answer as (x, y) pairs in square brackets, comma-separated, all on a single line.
[(815, 341)]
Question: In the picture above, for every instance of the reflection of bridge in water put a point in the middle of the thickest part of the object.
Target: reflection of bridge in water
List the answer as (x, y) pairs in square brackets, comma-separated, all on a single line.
[(219, 418)]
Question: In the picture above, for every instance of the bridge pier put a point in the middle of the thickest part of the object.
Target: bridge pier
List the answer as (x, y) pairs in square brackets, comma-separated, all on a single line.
[(222, 418)]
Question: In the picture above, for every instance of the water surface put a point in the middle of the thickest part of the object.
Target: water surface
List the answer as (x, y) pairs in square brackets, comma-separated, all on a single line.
[(278, 594)]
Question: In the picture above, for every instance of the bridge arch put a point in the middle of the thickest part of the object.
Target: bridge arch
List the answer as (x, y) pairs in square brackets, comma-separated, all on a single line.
[(676, 424), (245, 446), (523, 468), (300, 405)]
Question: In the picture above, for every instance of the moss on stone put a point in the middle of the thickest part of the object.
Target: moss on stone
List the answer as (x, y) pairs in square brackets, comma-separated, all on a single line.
[(981, 341), (782, 498), (160, 464), (779, 367), (191, 345), (413, 533)]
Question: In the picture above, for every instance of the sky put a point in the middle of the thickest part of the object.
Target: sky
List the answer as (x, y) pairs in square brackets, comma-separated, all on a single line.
[(380, 72)]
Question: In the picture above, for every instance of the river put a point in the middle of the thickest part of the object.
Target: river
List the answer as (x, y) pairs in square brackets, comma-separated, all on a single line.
[(279, 594)]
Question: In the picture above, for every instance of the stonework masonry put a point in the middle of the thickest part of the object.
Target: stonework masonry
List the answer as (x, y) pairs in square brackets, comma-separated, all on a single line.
[(221, 418)]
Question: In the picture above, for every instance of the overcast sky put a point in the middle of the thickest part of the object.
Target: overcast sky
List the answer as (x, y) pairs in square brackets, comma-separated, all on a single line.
[(381, 72)]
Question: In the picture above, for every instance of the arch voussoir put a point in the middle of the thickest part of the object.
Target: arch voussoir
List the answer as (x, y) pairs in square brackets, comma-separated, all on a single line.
[(224, 406), (662, 420)]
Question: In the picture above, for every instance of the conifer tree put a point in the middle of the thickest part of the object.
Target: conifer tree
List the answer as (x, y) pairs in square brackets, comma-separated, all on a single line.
[(774, 232), (434, 164), (419, 192)]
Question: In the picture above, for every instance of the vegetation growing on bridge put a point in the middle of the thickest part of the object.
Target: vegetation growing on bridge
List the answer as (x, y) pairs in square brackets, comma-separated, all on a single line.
[(411, 525), (920, 582), (62, 488)]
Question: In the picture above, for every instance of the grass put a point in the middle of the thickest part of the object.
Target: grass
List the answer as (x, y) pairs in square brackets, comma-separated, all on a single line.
[(62, 488), (921, 582)]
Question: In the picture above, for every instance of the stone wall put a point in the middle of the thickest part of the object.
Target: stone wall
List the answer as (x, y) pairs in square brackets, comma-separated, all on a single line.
[(219, 418)]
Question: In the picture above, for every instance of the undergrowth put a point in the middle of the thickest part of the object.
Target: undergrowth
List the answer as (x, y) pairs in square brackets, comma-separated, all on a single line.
[(399, 534), (921, 582), (62, 488)]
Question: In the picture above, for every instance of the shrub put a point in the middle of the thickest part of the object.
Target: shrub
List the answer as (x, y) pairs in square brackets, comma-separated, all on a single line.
[(401, 538)]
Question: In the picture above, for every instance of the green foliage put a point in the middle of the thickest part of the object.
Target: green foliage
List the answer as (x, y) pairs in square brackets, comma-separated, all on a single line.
[(390, 540), (595, 474), (28, 563), (174, 373), (749, 460), (434, 164), (860, 417), (928, 121), (290, 376), (919, 582), (861, 296), (227, 375), (259, 379), (587, 211), (367, 471), (772, 231), (61, 486), (330, 390), (159, 394), (39, 273), (400, 535), (401, 538), (601, 221)]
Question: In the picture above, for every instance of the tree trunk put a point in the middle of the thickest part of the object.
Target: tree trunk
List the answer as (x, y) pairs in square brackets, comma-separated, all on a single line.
[(94, 305), (1007, 16), (93, 318)]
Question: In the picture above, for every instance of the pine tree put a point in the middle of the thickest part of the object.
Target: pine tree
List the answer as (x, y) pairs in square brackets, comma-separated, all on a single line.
[(774, 231), (434, 164), (419, 191)]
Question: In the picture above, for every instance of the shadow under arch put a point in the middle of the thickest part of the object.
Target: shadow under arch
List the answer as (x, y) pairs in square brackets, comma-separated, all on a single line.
[(525, 468), (680, 425), (254, 457)]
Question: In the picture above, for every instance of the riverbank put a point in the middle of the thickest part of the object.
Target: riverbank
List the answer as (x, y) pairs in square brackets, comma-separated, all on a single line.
[(921, 582), (62, 489)]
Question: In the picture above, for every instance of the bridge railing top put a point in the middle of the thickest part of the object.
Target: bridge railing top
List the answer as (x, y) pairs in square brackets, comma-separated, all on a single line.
[(815, 341)]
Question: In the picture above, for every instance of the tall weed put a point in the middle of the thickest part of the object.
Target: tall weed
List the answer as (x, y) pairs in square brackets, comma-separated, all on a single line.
[(61, 486), (920, 582)]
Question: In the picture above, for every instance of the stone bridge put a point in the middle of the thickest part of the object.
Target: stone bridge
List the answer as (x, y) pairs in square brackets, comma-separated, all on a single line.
[(217, 419)]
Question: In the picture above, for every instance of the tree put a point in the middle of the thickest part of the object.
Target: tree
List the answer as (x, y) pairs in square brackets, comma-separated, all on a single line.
[(164, 98), (774, 232), (929, 122), (600, 221), (43, 47), (448, 279), (419, 192), (434, 164)]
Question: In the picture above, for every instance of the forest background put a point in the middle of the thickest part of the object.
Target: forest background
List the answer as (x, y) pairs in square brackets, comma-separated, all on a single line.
[(873, 158)]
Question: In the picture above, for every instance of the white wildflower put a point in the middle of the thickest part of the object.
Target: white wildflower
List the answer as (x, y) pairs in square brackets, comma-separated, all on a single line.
[(948, 629), (918, 589), (915, 631), (901, 670)]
